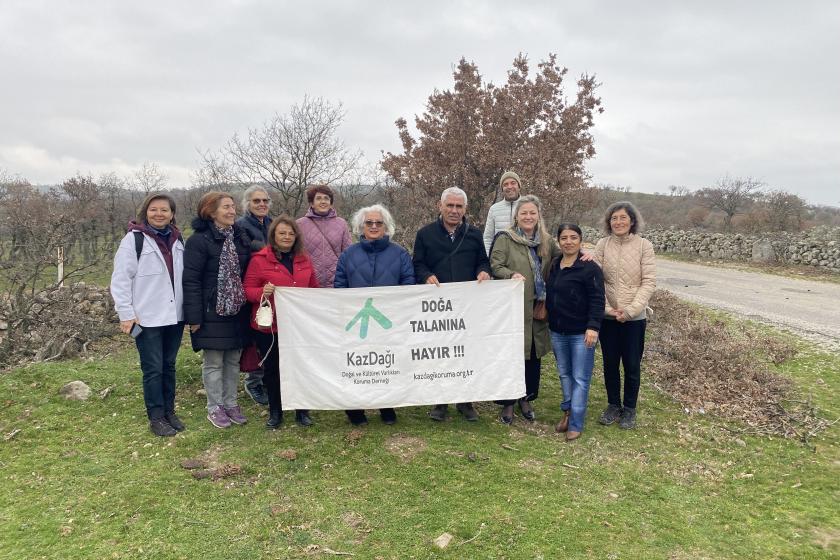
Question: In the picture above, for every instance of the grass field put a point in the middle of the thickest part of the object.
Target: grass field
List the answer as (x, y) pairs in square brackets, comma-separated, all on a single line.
[(87, 479)]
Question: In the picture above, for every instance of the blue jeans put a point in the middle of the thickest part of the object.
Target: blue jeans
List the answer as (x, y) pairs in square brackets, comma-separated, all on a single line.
[(158, 348), (574, 364)]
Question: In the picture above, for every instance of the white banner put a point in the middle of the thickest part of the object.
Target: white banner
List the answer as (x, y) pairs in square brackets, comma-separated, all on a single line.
[(400, 346)]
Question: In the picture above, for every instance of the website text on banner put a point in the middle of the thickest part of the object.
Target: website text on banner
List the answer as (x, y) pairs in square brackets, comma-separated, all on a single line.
[(401, 345)]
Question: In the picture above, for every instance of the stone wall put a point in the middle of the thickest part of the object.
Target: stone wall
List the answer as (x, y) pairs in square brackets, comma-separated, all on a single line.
[(818, 247)]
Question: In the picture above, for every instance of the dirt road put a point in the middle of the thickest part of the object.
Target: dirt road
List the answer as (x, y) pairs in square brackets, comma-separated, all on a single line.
[(809, 309)]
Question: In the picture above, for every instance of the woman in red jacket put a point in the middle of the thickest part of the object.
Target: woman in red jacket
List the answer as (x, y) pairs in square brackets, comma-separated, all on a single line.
[(282, 262)]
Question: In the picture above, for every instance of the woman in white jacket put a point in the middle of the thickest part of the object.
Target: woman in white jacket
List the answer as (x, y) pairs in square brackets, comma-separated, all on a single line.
[(146, 287)]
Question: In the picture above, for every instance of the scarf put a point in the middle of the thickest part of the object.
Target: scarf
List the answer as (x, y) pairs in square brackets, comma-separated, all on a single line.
[(518, 236), (230, 295)]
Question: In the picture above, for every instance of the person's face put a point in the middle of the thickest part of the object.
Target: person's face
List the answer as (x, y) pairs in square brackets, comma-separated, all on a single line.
[(225, 214), (258, 204), (527, 217), (620, 222), (159, 213), (321, 203), (511, 188), (373, 227), (452, 210), (569, 242), (284, 237)]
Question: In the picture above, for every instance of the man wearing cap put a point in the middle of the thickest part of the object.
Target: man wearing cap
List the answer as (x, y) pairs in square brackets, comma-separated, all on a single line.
[(500, 216), (450, 250)]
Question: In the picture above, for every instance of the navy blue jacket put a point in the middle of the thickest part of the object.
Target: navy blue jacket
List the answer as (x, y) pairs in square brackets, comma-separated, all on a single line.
[(575, 297), (258, 232), (374, 263)]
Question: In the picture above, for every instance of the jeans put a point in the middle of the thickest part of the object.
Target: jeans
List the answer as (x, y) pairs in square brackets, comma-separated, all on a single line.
[(254, 379), (574, 364), (220, 374), (622, 343), (158, 348)]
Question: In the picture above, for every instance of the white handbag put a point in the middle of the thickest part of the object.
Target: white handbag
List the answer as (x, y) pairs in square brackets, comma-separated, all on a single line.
[(264, 317)]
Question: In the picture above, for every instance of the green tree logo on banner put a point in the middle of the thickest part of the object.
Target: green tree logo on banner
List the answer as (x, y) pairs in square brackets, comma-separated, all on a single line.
[(364, 315)]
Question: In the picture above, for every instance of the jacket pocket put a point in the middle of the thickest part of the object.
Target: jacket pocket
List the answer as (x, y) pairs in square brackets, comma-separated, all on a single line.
[(149, 264)]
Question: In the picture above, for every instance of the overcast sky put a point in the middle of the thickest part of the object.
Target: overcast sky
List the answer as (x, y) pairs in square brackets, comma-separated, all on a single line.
[(692, 91)]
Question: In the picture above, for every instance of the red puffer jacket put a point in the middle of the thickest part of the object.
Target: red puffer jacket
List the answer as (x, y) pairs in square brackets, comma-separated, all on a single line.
[(264, 268)]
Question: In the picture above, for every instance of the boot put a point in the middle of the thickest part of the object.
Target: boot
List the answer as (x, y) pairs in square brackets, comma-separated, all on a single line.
[(275, 418), (563, 425)]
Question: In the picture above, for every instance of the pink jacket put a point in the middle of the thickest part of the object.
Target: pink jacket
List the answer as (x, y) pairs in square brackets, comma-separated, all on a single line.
[(324, 238)]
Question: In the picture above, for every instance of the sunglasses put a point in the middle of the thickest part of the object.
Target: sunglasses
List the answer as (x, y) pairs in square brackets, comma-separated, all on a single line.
[(258, 200), (371, 223)]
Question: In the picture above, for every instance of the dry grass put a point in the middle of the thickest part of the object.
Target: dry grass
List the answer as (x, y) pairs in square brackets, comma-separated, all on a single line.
[(710, 367)]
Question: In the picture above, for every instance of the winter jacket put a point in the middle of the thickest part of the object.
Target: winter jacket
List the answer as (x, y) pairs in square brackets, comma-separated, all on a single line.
[(258, 232), (575, 297), (629, 269), (264, 268), (142, 288), (499, 218), (374, 263), (509, 257), (201, 270), (436, 254), (324, 238)]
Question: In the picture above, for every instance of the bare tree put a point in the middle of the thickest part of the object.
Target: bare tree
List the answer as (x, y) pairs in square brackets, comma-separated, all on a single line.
[(730, 195), (785, 211), (288, 153), (148, 179)]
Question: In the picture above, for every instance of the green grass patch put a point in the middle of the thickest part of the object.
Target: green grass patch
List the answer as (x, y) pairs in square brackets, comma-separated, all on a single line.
[(87, 479)]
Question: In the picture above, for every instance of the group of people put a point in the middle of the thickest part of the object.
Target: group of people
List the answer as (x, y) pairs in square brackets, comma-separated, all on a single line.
[(224, 275)]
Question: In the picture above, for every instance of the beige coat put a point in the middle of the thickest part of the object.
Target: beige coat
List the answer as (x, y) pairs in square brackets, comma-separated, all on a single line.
[(629, 269), (509, 257)]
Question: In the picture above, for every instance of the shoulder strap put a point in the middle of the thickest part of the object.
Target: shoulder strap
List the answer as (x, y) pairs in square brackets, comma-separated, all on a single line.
[(138, 243)]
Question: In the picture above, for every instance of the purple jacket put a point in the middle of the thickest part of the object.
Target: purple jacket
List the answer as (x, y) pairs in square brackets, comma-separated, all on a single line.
[(324, 238)]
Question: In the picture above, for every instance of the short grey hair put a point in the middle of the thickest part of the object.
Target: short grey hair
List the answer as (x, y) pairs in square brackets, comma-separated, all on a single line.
[(246, 196), (455, 191), (637, 223), (358, 220)]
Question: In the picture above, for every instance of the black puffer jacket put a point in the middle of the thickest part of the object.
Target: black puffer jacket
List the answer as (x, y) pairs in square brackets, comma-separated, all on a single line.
[(257, 231), (201, 271)]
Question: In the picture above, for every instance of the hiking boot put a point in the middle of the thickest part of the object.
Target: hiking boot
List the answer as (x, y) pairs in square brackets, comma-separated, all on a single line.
[(235, 415), (628, 418), (610, 414), (257, 394), (572, 435), (275, 419), (438, 413), (218, 417), (175, 422), (357, 417), (302, 418), (467, 410), (388, 416), (160, 427)]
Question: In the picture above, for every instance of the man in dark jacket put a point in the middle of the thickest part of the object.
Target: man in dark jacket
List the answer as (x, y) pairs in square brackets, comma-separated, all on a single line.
[(255, 221), (450, 250)]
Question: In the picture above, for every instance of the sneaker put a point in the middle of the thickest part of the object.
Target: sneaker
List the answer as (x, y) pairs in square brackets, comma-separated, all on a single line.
[(160, 427), (628, 418), (470, 414), (438, 413), (218, 417), (257, 394), (388, 415), (235, 415), (610, 414), (175, 422)]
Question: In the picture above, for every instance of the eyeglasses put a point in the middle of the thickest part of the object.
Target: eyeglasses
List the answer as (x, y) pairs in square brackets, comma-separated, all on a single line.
[(371, 223), (258, 200)]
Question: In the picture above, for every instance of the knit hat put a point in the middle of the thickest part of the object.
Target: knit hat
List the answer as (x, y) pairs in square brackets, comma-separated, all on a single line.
[(510, 175)]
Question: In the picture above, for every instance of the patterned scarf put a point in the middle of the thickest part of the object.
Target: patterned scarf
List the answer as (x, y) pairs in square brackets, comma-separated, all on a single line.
[(230, 295), (536, 262)]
